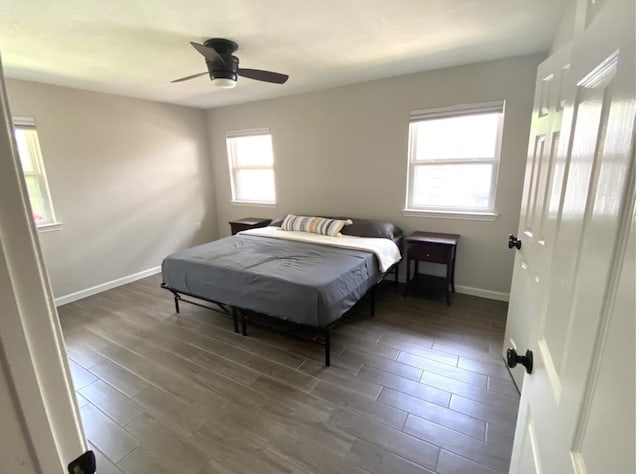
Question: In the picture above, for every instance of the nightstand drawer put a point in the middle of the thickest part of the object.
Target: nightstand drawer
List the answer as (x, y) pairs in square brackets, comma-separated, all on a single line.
[(430, 253)]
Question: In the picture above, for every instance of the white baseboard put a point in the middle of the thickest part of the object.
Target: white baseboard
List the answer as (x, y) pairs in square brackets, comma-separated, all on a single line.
[(105, 286), (489, 294), (465, 290)]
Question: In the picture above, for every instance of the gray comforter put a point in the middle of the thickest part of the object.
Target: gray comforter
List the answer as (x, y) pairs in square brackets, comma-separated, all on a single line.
[(304, 283)]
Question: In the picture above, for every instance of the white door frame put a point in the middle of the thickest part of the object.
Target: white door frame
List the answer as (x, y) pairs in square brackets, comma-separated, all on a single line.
[(33, 363)]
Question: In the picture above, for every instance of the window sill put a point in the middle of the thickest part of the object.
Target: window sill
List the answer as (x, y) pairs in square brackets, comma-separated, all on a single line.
[(49, 227), (469, 216), (254, 203)]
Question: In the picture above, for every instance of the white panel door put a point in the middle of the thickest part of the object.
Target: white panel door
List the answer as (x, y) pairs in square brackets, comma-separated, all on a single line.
[(575, 292), (545, 172)]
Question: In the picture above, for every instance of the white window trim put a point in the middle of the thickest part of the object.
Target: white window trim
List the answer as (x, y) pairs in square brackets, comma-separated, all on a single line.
[(450, 212), (23, 121), (232, 168), (254, 203), (49, 227), (468, 216)]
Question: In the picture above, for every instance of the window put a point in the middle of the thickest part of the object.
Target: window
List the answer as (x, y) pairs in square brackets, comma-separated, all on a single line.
[(34, 173), (251, 166), (453, 158)]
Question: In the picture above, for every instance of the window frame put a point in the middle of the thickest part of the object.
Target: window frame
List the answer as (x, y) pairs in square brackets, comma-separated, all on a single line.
[(488, 213), (234, 168), (40, 175)]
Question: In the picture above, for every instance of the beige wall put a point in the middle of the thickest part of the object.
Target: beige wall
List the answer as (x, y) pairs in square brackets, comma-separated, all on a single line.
[(344, 151), (130, 179), (567, 26)]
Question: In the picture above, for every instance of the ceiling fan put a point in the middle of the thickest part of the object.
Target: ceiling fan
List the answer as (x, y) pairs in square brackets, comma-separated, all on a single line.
[(223, 67)]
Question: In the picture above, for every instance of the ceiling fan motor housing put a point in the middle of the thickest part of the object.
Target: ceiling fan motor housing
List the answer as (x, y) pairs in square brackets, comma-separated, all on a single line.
[(227, 69), (227, 66)]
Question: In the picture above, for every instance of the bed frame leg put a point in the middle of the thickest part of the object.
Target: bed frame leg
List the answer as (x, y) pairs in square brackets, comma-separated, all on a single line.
[(234, 314), (373, 300), (327, 347), (176, 300), (244, 324)]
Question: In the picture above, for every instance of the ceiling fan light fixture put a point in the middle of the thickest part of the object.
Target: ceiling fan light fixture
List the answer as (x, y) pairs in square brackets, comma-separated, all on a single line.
[(224, 82)]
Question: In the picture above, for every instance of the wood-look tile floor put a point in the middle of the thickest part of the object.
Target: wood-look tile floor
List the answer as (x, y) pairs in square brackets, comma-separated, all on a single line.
[(420, 387)]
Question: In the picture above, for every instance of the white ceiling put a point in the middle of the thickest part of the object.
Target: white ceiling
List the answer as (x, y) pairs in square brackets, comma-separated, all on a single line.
[(135, 47)]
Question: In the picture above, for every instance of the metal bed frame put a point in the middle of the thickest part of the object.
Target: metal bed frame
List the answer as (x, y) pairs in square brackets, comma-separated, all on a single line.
[(237, 312)]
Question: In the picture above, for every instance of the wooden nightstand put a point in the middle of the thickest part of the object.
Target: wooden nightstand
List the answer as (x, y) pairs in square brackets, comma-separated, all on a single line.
[(435, 248), (248, 223)]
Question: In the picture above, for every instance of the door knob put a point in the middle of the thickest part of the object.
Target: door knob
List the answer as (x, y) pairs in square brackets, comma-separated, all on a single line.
[(514, 242), (514, 359)]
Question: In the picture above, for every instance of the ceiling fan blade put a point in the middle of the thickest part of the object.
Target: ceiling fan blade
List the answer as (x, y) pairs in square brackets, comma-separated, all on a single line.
[(208, 53), (266, 76), (193, 76)]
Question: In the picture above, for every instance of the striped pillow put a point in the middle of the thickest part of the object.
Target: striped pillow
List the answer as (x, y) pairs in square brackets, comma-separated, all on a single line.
[(317, 225)]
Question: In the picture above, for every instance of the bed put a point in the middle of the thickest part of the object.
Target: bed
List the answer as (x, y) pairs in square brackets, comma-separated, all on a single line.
[(303, 277)]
